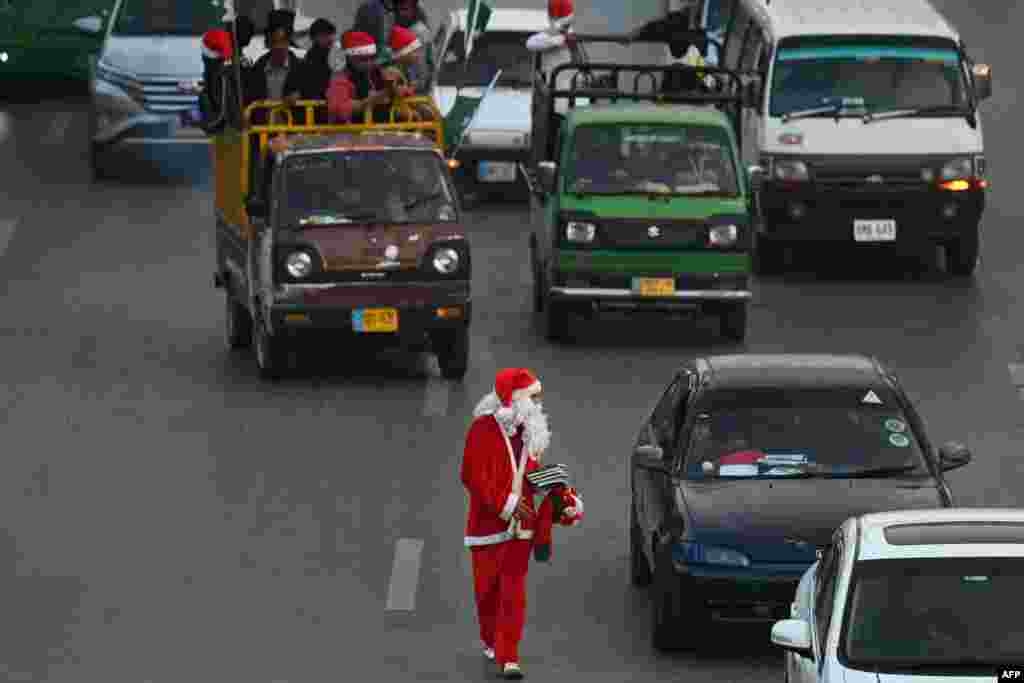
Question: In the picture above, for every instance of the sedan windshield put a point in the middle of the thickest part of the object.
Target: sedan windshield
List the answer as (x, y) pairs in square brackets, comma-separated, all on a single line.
[(168, 17), (643, 159), (407, 186), (505, 51), (934, 615), (867, 76), (793, 433)]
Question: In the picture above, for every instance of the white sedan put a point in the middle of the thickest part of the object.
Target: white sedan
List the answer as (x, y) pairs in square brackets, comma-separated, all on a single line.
[(927, 596)]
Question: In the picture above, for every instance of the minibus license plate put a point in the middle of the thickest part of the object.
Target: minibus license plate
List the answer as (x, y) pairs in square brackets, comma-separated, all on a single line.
[(375, 320), (654, 286), (874, 231)]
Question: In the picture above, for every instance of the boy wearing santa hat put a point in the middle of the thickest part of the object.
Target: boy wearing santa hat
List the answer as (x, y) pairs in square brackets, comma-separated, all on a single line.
[(407, 51), (360, 84), (506, 440)]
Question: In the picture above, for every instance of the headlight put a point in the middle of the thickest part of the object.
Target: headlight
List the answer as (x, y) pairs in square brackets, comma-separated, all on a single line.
[(723, 235), (788, 170), (958, 169), (694, 553), (446, 261), (299, 264), (580, 232)]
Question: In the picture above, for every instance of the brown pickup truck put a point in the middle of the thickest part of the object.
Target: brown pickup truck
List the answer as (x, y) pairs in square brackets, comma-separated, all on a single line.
[(356, 233)]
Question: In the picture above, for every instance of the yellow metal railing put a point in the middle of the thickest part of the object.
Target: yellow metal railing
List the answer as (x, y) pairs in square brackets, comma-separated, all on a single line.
[(411, 115)]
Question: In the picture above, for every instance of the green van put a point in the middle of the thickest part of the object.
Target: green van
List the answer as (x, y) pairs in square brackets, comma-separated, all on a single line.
[(639, 201)]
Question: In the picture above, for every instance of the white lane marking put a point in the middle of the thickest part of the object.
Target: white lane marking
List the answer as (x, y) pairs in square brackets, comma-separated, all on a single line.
[(5, 125), (405, 575), (6, 232), (435, 397), (59, 128)]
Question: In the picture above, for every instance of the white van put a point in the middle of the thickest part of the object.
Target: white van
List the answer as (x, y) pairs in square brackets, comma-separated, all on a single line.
[(499, 141), (867, 129)]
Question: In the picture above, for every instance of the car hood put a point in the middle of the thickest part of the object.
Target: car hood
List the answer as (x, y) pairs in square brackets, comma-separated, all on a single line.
[(784, 521), (157, 56), (504, 109), (890, 136)]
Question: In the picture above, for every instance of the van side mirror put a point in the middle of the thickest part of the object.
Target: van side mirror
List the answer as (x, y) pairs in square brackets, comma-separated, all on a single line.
[(953, 455), (650, 457), (793, 635), (548, 174), (91, 24), (982, 81), (256, 208), (756, 176)]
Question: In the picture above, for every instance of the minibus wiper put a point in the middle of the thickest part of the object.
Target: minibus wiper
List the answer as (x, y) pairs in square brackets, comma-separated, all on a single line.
[(919, 111)]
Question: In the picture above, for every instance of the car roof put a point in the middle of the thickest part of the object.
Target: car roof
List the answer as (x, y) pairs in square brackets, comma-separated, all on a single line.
[(643, 112), (510, 19), (786, 370), (867, 17), (950, 532), (357, 141)]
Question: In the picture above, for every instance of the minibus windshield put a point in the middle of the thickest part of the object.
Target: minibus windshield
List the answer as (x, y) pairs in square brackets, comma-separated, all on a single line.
[(867, 76)]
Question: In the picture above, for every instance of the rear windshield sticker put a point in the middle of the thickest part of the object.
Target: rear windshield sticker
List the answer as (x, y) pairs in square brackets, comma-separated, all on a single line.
[(738, 471), (784, 459), (872, 397), (894, 425), (783, 471), (899, 440)]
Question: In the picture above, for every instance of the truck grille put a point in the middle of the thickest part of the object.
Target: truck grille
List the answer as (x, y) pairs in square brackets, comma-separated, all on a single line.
[(641, 234), (879, 174)]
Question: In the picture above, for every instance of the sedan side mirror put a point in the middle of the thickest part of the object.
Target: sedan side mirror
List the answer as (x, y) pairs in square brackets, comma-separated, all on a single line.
[(256, 208), (982, 81), (90, 24), (650, 457), (953, 455), (547, 172), (793, 635)]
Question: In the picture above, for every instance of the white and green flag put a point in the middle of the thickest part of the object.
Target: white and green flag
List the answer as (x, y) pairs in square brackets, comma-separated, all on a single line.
[(478, 15)]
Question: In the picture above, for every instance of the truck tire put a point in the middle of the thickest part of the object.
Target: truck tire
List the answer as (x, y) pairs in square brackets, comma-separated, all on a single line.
[(768, 257), (452, 349), (97, 167), (962, 254), (237, 323), (556, 321), (538, 287), (734, 322), (271, 352), (639, 569), (665, 621)]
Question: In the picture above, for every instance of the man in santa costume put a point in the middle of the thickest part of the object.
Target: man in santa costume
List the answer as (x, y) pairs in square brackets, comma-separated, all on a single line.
[(506, 441)]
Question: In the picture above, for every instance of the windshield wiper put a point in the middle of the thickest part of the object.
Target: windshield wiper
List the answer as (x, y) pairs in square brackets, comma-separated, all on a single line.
[(922, 111), (876, 472)]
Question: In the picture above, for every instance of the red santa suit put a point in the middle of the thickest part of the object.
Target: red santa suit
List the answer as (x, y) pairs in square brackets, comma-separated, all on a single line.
[(499, 452)]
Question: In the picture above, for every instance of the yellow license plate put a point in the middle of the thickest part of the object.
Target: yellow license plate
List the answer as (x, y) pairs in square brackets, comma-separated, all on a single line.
[(375, 320), (649, 286)]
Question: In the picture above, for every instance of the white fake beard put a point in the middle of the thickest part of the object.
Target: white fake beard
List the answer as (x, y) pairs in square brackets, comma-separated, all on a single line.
[(525, 413)]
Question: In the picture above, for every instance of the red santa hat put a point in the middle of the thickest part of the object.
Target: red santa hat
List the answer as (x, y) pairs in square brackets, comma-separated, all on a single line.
[(560, 13), (563, 506), (511, 384), (217, 44), (404, 41), (358, 44)]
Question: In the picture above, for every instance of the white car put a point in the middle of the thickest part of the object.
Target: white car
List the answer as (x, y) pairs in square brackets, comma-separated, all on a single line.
[(901, 597), (499, 140)]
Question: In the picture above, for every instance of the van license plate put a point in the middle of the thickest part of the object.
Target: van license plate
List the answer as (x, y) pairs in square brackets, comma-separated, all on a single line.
[(375, 320), (496, 171), (648, 286), (874, 231)]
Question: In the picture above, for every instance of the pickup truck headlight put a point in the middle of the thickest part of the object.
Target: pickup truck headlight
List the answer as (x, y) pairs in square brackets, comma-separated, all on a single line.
[(723, 235), (790, 171), (446, 261), (580, 232), (684, 554), (299, 264)]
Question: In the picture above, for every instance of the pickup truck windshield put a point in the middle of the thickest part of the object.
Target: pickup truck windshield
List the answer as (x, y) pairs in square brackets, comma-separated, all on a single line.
[(645, 159), (504, 50), (875, 75), (406, 186), (168, 17)]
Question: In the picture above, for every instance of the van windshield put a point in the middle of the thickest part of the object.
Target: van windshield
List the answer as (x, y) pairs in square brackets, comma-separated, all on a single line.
[(868, 76), (168, 17), (646, 159)]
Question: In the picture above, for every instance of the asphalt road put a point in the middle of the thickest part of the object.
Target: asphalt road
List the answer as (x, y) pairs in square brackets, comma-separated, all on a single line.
[(167, 517)]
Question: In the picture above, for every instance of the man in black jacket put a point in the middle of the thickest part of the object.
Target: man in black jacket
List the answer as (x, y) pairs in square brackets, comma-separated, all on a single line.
[(311, 79), (271, 77)]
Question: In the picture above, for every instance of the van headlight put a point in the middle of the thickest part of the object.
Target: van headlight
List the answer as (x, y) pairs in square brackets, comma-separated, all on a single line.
[(684, 554), (580, 232), (299, 264), (958, 169), (446, 261), (723, 235)]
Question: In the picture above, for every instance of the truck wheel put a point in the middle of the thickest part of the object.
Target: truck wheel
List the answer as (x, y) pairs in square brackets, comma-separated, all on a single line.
[(237, 323), (734, 322), (639, 569), (556, 321), (538, 287), (962, 255), (271, 353), (96, 162), (767, 257), (452, 349), (664, 620)]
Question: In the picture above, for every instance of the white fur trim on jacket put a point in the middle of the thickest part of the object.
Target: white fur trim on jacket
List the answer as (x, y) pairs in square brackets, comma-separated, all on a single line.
[(510, 506), (211, 54), (361, 51), (563, 22), (410, 48)]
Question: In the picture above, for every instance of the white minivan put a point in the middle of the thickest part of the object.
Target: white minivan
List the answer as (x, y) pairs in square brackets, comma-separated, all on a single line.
[(867, 129)]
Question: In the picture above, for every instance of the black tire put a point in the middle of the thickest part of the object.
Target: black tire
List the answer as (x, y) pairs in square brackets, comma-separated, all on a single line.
[(962, 254), (538, 287), (452, 349), (639, 569), (271, 352), (556, 321), (768, 256), (734, 322), (97, 165), (664, 607), (237, 323)]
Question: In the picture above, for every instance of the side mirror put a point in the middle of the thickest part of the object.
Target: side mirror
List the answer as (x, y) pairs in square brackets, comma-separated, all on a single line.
[(90, 24), (756, 176), (793, 635), (256, 208), (953, 455), (547, 172), (982, 81), (650, 457)]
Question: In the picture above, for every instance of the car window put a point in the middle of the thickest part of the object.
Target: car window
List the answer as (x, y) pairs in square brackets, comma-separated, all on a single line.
[(664, 421), (168, 17), (802, 432)]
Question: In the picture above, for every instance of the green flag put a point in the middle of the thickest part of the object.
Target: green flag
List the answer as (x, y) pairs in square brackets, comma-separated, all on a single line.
[(478, 15), (461, 116)]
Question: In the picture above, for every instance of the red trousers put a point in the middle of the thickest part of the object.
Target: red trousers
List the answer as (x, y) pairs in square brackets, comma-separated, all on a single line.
[(499, 581)]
